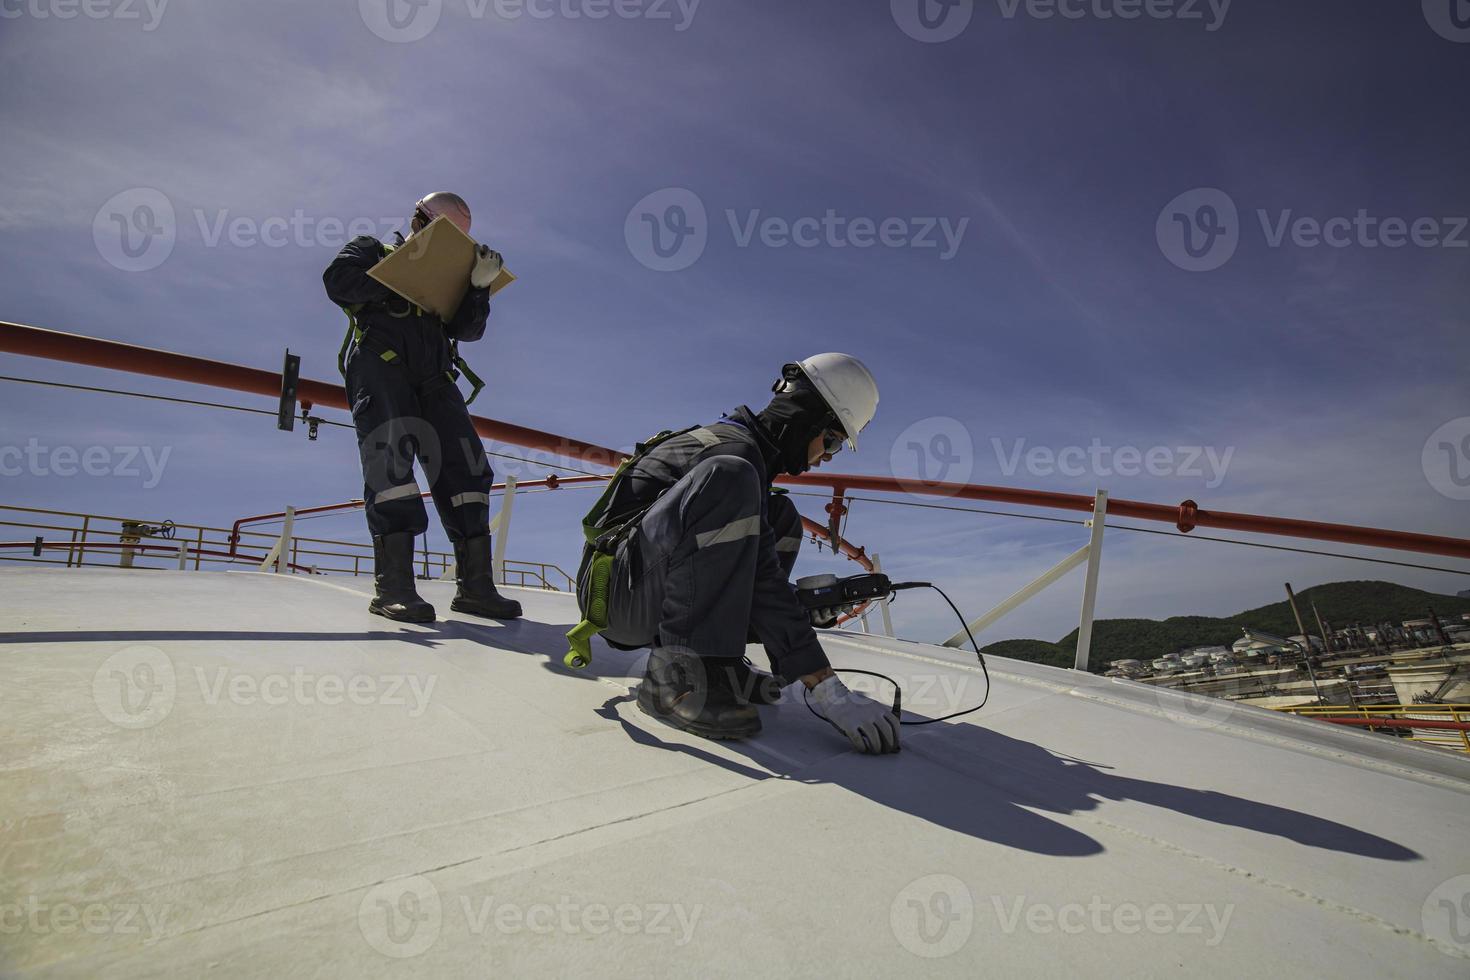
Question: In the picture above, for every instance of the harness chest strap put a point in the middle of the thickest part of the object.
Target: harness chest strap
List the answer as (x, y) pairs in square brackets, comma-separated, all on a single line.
[(355, 333)]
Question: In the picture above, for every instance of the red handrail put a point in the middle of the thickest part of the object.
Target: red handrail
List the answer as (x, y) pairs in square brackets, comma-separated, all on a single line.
[(1186, 516), (77, 349), (16, 338), (1449, 726), (172, 550)]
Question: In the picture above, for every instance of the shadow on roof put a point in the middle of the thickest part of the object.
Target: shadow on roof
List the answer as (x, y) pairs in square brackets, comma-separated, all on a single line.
[(981, 783)]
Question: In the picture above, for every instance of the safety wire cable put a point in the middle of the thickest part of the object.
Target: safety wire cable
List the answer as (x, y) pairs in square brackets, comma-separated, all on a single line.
[(897, 690), (298, 518), (261, 411)]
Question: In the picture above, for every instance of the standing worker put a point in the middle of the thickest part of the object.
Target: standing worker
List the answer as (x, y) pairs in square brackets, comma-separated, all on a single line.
[(690, 551), (399, 362)]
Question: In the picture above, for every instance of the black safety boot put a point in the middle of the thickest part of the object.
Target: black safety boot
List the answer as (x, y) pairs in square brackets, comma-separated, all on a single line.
[(477, 594), (396, 597), (749, 684), (679, 690)]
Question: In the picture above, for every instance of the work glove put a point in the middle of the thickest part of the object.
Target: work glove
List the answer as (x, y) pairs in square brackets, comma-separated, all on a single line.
[(488, 264), (870, 726), (824, 619)]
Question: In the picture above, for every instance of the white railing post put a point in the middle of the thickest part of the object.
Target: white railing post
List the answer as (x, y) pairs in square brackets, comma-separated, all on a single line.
[(183, 552), (883, 604), (502, 527), (284, 562), (1089, 590), (280, 553)]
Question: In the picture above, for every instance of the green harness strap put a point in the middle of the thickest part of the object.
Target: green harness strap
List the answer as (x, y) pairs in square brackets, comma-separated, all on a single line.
[(462, 368), (354, 336), (605, 541)]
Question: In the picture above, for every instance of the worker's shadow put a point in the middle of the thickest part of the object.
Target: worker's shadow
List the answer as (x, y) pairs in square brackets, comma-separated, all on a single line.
[(979, 782), (542, 640), (961, 776)]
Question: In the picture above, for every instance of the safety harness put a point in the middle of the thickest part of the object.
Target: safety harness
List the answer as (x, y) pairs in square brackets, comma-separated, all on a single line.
[(355, 332), (605, 533)]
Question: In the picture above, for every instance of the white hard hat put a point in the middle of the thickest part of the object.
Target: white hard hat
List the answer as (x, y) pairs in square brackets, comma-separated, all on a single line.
[(848, 388)]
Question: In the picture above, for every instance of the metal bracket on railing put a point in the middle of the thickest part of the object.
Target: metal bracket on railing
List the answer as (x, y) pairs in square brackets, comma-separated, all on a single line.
[(1094, 568), (290, 381), (835, 510)]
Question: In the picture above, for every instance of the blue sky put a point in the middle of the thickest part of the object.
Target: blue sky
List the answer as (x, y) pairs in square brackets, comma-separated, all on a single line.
[(1056, 151)]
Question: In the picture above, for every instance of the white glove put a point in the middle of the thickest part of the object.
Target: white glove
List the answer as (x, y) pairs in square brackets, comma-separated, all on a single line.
[(824, 619), (870, 726), (488, 264)]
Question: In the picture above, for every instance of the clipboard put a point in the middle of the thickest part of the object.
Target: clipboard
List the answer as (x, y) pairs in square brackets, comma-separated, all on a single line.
[(431, 269)]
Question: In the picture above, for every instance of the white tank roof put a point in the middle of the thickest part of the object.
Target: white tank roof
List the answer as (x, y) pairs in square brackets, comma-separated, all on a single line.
[(474, 808)]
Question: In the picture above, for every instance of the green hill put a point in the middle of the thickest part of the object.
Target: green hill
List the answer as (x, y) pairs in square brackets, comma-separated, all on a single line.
[(1036, 651), (1341, 604)]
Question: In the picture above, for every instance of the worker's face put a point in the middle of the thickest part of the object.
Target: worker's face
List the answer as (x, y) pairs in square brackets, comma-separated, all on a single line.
[(823, 448)]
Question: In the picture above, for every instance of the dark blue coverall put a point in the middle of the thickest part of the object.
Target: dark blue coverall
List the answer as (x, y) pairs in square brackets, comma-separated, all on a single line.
[(400, 380), (709, 566)]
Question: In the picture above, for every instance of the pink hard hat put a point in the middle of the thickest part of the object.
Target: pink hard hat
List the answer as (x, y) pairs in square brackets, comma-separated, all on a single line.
[(451, 206)]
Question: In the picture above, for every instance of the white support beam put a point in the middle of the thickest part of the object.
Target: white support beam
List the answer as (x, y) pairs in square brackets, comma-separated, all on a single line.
[(989, 619), (183, 553), (280, 553), (502, 528), (1094, 567), (883, 604)]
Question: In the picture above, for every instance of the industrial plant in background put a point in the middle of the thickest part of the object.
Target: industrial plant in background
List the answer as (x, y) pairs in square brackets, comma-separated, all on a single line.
[(1378, 673)]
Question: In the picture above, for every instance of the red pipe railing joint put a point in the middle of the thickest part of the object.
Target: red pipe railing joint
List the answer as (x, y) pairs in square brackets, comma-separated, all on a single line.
[(1188, 511)]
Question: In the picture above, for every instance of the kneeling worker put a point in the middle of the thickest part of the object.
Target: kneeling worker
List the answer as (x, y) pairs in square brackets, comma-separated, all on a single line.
[(701, 551), (400, 374)]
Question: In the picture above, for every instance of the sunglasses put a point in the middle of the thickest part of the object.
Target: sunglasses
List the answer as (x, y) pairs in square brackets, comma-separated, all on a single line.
[(832, 442)]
